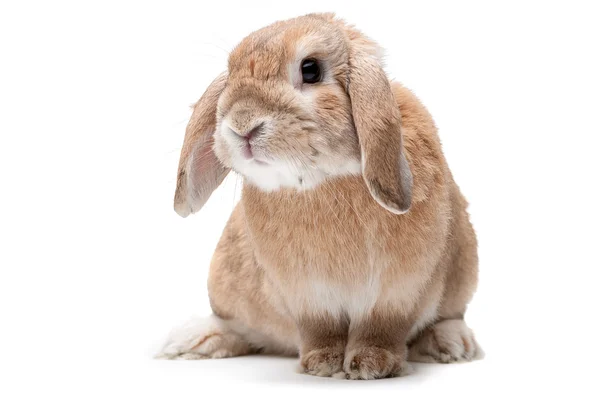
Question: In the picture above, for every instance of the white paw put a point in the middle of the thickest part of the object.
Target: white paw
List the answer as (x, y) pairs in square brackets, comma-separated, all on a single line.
[(445, 342), (203, 338)]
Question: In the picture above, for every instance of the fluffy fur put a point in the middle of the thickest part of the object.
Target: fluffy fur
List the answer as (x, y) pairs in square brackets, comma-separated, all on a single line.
[(351, 245)]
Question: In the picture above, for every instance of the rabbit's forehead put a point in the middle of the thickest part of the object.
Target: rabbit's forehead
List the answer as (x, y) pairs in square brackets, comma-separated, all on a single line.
[(268, 52)]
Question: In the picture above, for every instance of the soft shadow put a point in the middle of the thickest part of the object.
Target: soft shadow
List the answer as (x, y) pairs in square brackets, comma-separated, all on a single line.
[(278, 370)]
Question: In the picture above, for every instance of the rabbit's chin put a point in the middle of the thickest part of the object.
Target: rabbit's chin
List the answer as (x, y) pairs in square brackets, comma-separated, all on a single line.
[(273, 175)]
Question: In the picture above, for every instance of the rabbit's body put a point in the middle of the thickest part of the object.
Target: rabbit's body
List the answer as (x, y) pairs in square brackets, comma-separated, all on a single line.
[(331, 270), (341, 278)]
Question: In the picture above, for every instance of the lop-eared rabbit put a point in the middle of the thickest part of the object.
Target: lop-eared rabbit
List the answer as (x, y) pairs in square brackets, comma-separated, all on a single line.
[(351, 245)]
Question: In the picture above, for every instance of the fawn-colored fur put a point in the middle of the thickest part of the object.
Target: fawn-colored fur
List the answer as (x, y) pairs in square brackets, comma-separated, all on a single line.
[(351, 244)]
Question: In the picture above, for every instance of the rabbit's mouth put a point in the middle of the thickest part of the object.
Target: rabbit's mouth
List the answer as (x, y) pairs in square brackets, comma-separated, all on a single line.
[(248, 152), (275, 153), (249, 146)]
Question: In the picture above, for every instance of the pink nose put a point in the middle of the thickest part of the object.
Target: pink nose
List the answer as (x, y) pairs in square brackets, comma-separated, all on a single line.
[(255, 131)]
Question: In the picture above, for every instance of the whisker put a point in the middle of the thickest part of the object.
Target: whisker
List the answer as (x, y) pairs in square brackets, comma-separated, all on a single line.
[(235, 190), (214, 45)]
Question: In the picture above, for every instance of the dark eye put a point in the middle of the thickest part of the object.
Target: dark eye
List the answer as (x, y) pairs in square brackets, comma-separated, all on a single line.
[(311, 72)]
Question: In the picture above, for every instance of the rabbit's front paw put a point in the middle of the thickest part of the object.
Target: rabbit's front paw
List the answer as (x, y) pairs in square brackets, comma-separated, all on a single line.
[(323, 362), (369, 363)]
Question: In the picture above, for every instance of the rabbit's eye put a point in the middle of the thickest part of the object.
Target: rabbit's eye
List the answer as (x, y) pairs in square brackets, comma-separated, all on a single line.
[(311, 72)]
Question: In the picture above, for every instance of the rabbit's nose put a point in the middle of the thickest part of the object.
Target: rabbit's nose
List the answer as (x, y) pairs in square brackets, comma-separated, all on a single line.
[(254, 132)]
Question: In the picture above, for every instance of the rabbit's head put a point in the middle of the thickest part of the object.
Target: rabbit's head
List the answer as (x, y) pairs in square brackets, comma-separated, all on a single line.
[(302, 101)]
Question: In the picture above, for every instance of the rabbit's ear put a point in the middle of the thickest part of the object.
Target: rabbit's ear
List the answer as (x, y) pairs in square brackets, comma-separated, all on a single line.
[(377, 121), (200, 172)]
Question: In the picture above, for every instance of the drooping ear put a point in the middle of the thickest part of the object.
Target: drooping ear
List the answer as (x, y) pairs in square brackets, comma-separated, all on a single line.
[(200, 172), (377, 121)]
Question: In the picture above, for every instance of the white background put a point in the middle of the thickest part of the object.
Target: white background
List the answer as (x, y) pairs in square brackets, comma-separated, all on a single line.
[(96, 267)]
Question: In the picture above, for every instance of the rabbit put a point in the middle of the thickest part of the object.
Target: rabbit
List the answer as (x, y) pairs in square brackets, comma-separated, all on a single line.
[(351, 245)]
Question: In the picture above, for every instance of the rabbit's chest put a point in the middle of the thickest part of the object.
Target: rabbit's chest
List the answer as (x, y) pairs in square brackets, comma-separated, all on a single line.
[(337, 253), (341, 272)]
